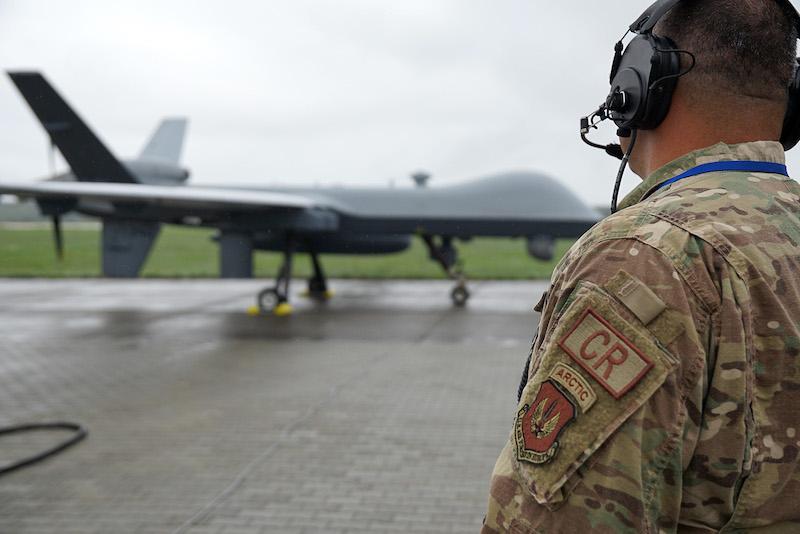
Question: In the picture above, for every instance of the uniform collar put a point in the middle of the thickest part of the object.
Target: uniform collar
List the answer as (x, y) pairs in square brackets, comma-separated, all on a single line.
[(771, 151)]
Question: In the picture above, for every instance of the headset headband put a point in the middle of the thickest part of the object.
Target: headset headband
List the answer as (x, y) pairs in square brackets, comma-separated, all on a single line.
[(648, 20)]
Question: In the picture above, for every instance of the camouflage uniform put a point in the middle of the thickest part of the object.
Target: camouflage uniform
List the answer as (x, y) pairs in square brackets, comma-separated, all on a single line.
[(663, 392)]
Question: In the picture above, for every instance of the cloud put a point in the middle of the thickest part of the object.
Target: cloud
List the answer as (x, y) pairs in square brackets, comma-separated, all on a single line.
[(302, 91)]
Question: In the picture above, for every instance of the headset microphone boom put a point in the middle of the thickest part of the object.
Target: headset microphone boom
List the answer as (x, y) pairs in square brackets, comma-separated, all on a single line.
[(643, 78)]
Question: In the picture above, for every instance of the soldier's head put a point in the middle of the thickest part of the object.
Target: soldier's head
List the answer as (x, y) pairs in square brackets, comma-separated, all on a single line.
[(737, 91)]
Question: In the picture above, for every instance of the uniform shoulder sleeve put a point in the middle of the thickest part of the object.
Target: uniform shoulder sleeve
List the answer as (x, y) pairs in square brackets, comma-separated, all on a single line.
[(597, 439)]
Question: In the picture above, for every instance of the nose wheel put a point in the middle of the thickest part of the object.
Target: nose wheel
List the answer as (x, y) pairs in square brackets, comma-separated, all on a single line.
[(445, 254), (460, 295)]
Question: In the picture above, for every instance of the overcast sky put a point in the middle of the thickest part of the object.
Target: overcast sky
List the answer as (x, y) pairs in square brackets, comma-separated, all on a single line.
[(321, 92)]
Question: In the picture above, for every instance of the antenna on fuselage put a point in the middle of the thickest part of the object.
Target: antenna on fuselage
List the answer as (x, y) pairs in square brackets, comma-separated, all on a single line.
[(421, 178)]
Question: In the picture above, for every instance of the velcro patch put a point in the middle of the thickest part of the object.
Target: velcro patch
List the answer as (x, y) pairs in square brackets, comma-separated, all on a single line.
[(636, 296), (605, 353), (592, 341)]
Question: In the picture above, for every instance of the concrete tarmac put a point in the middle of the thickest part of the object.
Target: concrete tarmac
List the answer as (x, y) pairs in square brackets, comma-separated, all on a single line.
[(380, 411)]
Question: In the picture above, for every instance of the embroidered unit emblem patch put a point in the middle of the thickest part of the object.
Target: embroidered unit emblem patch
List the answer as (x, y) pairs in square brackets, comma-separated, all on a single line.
[(574, 384), (539, 424), (605, 353)]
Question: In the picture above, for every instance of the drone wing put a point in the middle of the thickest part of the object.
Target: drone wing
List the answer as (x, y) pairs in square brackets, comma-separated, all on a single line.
[(158, 195)]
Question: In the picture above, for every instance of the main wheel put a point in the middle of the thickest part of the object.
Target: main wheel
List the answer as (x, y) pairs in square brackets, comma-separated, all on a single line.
[(459, 296), (318, 290), (268, 299), (316, 286)]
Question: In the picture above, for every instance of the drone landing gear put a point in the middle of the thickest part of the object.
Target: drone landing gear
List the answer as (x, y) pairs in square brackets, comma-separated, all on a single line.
[(460, 294), (275, 299), (445, 254), (318, 284)]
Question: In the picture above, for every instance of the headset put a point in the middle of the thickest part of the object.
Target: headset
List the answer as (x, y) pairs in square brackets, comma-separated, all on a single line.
[(643, 79)]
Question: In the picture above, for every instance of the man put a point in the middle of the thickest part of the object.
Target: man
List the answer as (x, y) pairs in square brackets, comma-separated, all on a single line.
[(663, 392)]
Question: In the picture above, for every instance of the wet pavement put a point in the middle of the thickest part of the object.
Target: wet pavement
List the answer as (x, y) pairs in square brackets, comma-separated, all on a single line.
[(380, 411)]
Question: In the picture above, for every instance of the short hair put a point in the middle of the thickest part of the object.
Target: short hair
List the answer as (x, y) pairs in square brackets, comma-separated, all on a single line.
[(744, 48)]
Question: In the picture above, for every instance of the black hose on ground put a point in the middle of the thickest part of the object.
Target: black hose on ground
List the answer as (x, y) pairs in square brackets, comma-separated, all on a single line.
[(79, 434)]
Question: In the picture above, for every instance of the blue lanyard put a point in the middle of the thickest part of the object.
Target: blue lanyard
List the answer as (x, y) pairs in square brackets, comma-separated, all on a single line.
[(738, 166)]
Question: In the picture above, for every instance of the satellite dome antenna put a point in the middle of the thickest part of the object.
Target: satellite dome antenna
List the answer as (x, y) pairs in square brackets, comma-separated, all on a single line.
[(421, 178)]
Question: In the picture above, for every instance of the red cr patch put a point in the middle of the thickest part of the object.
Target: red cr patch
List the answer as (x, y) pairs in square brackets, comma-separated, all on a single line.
[(539, 424), (605, 353)]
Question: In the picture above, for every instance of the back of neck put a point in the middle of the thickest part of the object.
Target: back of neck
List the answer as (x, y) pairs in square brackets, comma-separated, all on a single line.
[(685, 130)]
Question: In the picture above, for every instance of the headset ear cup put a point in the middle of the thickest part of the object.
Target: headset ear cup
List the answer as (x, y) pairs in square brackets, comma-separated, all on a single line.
[(791, 122), (646, 74), (666, 67)]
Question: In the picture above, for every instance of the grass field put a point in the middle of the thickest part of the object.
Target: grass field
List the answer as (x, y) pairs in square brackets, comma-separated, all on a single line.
[(190, 253)]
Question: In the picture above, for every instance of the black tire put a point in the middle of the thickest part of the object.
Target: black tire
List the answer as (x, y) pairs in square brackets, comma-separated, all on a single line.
[(318, 297), (459, 295), (268, 299), (316, 286)]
